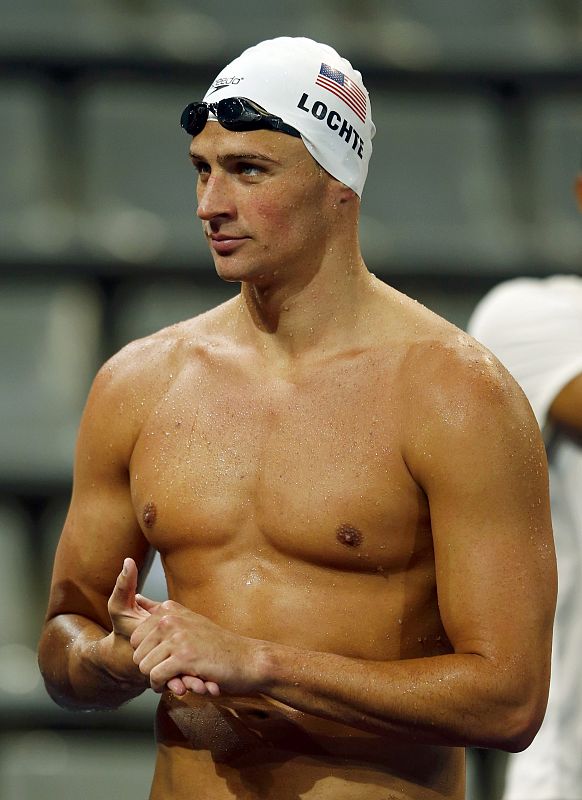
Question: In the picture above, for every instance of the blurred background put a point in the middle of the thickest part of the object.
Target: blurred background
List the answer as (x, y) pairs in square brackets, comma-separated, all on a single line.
[(479, 117)]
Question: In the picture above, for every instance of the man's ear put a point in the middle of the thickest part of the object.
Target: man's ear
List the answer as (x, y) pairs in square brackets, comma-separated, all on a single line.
[(346, 195), (578, 190), (342, 193)]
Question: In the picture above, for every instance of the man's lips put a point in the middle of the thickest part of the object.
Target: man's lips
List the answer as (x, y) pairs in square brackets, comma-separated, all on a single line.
[(223, 243)]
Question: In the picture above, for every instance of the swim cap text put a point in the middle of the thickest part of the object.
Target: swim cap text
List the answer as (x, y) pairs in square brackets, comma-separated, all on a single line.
[(334, 121)]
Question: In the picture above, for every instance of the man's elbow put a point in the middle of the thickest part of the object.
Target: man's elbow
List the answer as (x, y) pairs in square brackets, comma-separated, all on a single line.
[(60, 696), (518, 725), (53, 672), (54, 662)]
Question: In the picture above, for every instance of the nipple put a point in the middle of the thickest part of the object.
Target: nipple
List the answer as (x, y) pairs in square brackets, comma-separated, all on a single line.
[(149, 515), (349, 536)]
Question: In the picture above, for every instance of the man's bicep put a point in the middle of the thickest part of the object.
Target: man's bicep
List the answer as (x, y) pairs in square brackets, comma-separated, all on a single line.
[(101, 528), (566, 408), (486, 482), (99, 532), (494, 565)]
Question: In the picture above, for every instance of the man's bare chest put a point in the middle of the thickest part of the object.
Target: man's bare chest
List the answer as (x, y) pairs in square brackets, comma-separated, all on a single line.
[(219, 456)]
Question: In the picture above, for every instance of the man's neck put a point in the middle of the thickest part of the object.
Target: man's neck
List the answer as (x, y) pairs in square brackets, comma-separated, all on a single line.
[(289, 320)]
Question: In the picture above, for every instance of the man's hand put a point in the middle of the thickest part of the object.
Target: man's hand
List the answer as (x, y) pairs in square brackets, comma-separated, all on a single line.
[(127, 611), (175, 642), (125, 614)]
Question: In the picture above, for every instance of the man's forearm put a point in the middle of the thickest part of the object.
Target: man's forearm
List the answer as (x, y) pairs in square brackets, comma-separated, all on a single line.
[(454, 700), (457, 699), (81, 668)]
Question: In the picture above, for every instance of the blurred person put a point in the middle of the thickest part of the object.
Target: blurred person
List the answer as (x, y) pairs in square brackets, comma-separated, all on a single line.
[(534, 326), (348, 494)]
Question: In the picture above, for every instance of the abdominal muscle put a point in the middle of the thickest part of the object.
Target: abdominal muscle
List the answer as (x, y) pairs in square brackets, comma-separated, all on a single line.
[(256, 747), (259, 748)]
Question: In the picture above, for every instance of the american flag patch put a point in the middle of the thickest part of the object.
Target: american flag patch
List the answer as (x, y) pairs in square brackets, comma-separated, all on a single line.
[(339, 84)]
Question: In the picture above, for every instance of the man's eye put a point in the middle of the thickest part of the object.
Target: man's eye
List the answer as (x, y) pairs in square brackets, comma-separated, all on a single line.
[(250, 170), (201, 168)]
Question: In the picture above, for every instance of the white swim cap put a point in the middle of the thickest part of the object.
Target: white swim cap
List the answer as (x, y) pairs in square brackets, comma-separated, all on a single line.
[(312, 88)]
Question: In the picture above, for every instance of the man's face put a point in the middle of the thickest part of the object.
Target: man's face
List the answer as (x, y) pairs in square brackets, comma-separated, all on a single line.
[(264, 202)]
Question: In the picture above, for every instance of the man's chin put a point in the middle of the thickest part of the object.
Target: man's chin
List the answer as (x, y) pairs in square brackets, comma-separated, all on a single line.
[(231, 277), (227, 269), (230, 271)]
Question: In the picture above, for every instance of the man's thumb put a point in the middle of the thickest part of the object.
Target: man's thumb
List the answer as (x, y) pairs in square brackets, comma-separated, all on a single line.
[(126, 585)]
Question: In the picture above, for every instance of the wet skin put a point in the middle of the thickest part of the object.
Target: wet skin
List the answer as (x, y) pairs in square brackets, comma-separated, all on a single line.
[(284, 511)]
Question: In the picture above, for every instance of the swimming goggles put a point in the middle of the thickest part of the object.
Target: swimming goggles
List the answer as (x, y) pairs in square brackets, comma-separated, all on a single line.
[(234, 114)]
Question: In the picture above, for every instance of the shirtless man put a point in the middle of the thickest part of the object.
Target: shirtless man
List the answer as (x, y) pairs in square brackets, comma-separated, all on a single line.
[(348, 494)]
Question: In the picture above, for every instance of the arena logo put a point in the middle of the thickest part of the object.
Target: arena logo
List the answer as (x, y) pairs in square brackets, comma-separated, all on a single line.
[(222, 83), (334, 121)]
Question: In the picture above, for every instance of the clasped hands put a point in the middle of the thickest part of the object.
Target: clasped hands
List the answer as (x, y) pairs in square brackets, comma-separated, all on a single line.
[(179, 649)]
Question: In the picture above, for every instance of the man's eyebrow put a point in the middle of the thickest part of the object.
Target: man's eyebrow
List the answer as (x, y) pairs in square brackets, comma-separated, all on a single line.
[(229, 157)]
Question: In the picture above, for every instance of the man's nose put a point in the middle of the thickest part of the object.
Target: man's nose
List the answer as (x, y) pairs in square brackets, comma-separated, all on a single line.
[(215, 198)]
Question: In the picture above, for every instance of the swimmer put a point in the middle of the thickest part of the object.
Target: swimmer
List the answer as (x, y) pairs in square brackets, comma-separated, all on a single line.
[(349, 495)]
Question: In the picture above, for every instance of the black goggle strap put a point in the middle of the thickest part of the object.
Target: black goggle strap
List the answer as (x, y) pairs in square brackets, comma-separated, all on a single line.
[(262, 118)]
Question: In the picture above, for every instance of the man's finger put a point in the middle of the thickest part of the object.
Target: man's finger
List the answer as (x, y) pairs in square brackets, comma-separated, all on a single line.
[(143, 630), (176, 685), (194, 684), (123, 594), (145, 602), (199, 686)]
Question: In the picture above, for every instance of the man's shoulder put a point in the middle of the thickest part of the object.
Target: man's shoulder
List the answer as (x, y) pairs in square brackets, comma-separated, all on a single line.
[(438, 365), (431, 343), (131, 383), (454, 396), (145, 366), (451, 360), (446, 370), (459, 396)]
